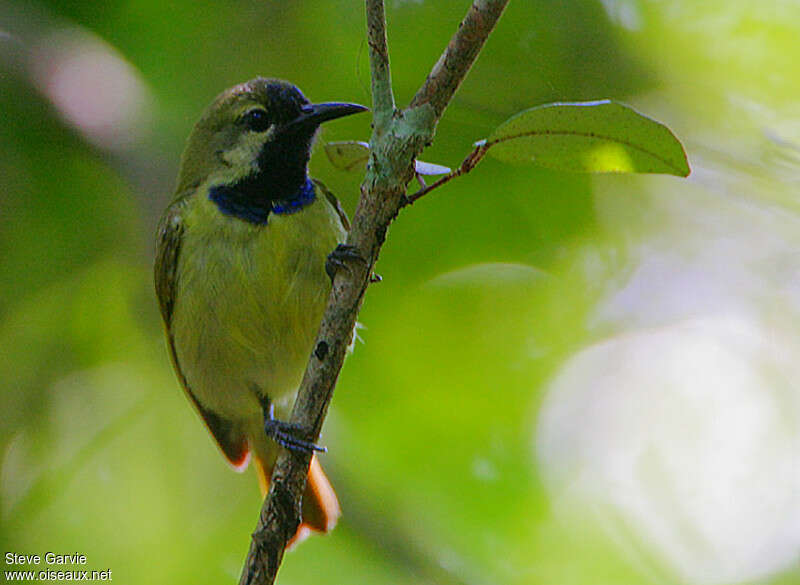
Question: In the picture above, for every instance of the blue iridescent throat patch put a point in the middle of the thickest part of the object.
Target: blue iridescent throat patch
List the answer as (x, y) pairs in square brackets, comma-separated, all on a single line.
[(305, 196), (234, 201)]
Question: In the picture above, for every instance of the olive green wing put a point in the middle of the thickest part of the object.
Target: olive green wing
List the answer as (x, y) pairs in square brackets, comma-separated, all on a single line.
[(168, 249), (334, 203)]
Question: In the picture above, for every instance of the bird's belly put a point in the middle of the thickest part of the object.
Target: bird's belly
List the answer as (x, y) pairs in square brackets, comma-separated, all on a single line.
[(246, 321)]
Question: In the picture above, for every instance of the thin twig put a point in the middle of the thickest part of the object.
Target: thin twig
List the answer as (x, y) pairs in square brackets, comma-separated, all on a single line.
[(469, 163), (397, 139), (457, 58), (382, 98)]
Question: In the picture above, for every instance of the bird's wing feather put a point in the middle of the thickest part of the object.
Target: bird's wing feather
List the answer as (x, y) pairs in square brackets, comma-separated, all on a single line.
[(170, 236), (334, 203)]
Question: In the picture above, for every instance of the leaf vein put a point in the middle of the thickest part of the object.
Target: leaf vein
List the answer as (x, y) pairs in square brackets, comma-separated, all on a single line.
[(632, 145)]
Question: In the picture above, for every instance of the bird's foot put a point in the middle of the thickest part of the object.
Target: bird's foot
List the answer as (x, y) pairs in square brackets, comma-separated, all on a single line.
[(340, 257), (285, 434), (288, 435)]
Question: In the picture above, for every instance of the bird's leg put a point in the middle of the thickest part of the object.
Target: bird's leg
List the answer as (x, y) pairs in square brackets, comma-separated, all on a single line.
[(339, 258), (285, 433)]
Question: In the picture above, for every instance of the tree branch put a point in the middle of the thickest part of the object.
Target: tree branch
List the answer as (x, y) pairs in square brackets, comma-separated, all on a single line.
[(469, 163), (382, 98), (455, 62), (397, 139)]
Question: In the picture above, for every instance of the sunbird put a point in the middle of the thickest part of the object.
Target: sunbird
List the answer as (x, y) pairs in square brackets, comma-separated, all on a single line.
[(243, 271)]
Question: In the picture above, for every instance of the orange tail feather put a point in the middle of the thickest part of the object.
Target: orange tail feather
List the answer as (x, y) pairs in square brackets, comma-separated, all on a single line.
[(320, 506)]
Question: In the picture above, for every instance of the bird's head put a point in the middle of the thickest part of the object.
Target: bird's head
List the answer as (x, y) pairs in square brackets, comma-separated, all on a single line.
[(257, 135)]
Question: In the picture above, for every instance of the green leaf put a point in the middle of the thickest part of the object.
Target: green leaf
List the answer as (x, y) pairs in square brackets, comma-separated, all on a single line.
[(351, 155), (348, 155), (591, 137)]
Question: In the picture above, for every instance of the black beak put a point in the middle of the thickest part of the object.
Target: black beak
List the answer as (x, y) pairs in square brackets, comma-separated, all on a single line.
[(312, 115)]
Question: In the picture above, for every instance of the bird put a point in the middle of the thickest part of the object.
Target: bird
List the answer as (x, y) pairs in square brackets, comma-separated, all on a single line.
[(245, 256)]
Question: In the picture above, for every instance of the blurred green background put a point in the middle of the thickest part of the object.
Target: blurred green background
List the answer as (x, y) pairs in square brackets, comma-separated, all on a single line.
[(564, 379)]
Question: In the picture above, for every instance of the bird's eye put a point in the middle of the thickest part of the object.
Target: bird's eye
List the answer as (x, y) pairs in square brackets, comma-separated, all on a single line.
[(256, 120)]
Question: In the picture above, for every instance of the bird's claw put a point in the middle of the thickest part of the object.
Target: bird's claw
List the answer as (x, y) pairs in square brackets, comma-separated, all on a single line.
[(342, 254), (285, 434)]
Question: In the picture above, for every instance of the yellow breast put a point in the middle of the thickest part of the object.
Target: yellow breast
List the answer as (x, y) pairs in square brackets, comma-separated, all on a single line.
[(250, 301)]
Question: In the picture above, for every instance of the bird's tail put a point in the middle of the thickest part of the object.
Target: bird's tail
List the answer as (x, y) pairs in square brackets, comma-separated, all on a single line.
[(320, 505)]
